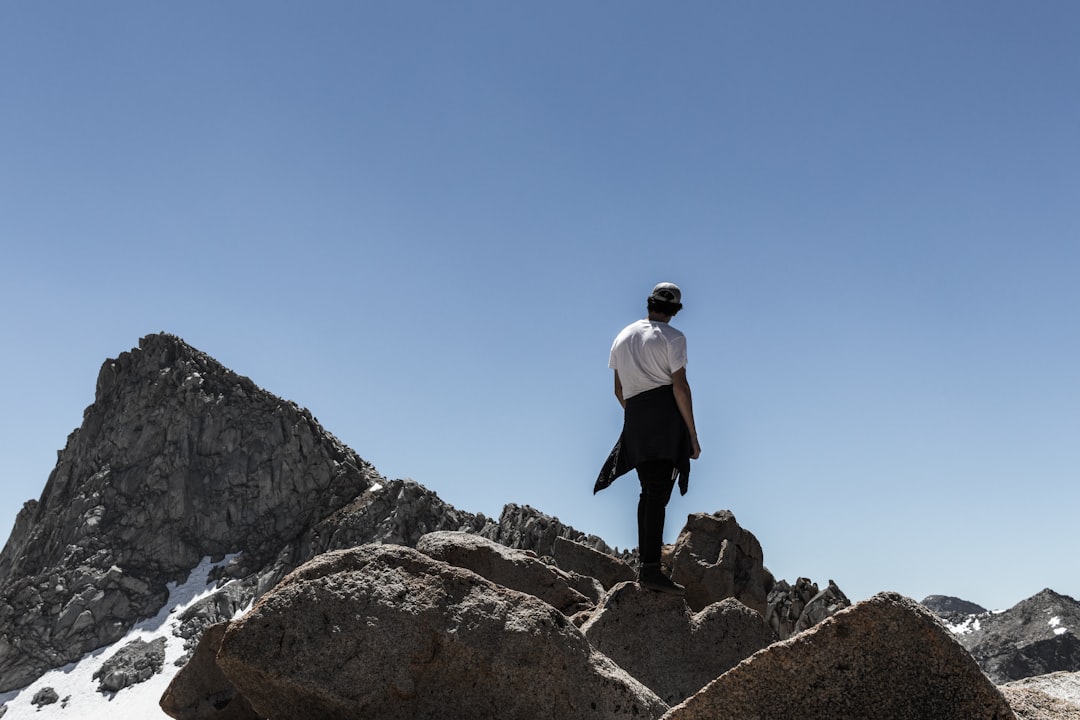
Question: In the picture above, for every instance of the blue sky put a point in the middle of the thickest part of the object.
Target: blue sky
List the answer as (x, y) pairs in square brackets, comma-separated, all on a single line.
[(426, 222)]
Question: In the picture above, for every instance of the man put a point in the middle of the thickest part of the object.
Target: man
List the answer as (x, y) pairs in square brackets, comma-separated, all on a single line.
[(659, 437)]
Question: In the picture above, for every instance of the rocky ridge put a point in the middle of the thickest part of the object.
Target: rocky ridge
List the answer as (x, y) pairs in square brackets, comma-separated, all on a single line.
[(180, 459), (1038, 636)]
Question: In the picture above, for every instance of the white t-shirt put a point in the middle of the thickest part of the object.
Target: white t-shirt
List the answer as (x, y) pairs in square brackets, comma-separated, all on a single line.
[(646, 354)]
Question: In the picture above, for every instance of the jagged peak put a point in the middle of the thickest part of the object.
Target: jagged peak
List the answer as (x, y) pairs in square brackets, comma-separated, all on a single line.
[(1047, 596), (178, 458), (163, 355), (1051, 593)]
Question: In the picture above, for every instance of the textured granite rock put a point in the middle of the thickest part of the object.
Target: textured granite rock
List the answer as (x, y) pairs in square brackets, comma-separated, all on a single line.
[(672, 650), (887, 657), (385, 631), (517, 569), (715, 558)]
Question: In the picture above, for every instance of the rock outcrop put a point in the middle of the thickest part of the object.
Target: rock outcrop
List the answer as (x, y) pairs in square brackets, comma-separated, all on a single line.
[(516, 569), (715, 558), (794, 608), (1037, 636), (131, 664), (886, 657), (178, 458), (672, 650), (45, 696), (386, 631)]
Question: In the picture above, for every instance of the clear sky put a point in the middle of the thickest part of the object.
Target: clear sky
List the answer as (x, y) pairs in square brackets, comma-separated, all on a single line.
[(426, 221)]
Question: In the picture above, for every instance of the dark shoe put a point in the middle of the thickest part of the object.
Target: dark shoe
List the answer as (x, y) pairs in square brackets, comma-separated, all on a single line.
[(651, 577)]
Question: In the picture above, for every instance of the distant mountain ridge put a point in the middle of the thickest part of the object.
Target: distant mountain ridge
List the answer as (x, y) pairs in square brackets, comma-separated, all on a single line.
[(1037, 636)]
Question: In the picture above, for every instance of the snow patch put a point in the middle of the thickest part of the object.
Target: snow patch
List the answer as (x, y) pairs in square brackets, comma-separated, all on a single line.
[(75, 684), (968, 625)]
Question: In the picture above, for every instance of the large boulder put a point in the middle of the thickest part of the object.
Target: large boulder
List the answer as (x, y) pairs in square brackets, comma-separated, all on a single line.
[(580, 558), (662, 643), (715, 558), (1054, 696), (517, 569), (1063, 685), (886, 657), (200, 691), (388, 632), (1031, 703)]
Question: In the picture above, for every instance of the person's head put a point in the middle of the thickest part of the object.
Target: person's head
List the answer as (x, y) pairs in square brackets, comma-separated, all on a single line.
[(666, 299)]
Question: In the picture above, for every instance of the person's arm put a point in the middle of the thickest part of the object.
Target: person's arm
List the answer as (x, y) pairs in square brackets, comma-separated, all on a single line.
[(618, 390), (685, 402)]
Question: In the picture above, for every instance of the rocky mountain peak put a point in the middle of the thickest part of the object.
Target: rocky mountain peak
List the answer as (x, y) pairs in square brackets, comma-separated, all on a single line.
[(177, 459), (1038, 635)]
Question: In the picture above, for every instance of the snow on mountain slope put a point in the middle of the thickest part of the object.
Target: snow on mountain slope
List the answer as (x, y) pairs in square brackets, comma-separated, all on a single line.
[(76, 689)]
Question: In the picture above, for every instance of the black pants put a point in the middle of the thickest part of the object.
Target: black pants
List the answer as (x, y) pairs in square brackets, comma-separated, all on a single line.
[(657, 478)]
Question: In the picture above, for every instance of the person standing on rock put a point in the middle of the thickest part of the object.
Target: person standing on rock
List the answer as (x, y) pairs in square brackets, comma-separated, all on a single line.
[(658, 437)]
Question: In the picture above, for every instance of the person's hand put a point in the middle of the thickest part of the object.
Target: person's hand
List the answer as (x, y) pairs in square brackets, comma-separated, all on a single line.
[(695, 448)]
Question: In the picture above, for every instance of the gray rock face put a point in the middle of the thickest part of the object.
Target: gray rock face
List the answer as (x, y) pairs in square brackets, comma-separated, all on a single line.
[(886, 657), (1037, 636), (178, 458), (715, 559), (517, 569), (667, 647), (394, 512), (386, 631)]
